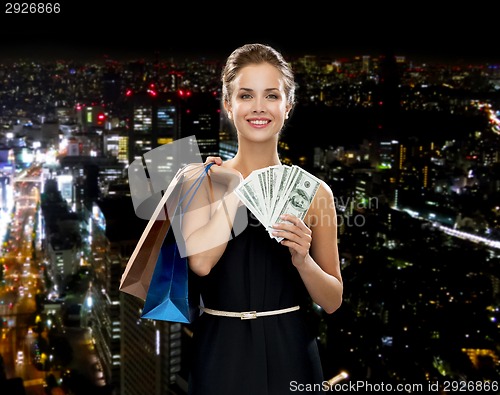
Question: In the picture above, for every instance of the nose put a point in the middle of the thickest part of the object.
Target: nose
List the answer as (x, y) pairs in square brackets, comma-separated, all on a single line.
[(258, 106)]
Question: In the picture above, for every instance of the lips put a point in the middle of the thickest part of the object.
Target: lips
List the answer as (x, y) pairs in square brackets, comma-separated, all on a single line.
[(259, 122)]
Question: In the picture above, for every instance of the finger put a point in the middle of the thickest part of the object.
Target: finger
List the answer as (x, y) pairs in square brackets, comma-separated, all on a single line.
[(213, 159), (292, 220), (300, 238)]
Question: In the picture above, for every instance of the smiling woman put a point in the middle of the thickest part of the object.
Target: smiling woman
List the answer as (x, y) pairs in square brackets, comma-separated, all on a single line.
[(256, 290)]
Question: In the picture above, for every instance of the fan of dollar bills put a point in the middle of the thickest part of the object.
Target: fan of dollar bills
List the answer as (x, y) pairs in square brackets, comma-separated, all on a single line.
[(275, 190)]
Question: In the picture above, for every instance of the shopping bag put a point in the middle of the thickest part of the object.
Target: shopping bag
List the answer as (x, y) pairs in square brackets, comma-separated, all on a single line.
[(139, 270), (168, 297), (140, 267)]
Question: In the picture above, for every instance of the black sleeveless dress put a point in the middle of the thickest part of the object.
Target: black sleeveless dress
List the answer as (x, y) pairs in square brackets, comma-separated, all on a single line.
[(270, 355)]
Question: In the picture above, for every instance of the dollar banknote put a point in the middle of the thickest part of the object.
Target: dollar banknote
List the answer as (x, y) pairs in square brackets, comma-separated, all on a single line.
[(276, 190)]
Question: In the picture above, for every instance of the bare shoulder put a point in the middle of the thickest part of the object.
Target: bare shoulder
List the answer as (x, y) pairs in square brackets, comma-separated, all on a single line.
[(322, 209)]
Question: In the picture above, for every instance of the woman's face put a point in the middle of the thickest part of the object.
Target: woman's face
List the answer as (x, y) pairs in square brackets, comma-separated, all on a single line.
[(258, 104)]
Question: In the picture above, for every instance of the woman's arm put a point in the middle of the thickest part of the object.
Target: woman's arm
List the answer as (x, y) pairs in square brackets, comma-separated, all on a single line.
[(207, 224), (314, 250)]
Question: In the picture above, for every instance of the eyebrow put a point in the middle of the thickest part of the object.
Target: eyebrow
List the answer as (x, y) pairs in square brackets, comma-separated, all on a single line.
[(265, 90)]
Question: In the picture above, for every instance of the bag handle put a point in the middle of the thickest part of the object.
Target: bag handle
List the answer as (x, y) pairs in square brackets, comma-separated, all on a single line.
[(212, 198), (197, 185)]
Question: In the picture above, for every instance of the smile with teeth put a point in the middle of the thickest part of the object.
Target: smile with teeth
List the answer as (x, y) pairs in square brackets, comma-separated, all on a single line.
[(259, 122)]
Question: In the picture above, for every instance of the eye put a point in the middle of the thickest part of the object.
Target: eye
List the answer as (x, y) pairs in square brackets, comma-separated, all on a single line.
[(272, 96), (245, 96)]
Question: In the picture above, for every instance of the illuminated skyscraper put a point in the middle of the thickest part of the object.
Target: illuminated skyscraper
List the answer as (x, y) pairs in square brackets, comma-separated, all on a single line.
[(153, 120), (200, 117), (158, 118)]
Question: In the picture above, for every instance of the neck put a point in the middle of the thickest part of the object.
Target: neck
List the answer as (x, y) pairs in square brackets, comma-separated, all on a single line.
[(252, 156)]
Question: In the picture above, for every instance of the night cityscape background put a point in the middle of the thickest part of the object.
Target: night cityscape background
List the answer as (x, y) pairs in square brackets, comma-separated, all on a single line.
[(401, 117)]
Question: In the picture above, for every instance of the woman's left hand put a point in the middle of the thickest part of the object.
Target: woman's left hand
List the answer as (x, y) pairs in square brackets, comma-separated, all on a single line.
[(296, 236)]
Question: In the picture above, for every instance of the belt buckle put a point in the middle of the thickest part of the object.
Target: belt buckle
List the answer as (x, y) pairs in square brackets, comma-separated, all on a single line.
[(248, 315)]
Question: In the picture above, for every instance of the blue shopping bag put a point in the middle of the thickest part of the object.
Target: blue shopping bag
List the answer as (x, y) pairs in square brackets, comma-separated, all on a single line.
[(168, 297)]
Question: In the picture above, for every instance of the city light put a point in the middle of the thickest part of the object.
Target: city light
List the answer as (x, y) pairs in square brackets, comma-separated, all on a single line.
[(411, 161)]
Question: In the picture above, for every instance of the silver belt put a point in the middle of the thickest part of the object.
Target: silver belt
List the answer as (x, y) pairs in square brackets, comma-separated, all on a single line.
[(247, 315)]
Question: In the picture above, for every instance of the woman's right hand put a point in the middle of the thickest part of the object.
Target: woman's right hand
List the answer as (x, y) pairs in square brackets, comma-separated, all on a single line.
[(223, 175), (214, 159)]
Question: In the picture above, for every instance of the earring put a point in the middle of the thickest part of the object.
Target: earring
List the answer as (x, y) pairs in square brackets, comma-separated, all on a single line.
[(229, 115)]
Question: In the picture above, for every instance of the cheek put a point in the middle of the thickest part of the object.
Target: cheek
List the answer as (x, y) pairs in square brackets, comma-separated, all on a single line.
[(283, 109), (240, 109), (278, 110)]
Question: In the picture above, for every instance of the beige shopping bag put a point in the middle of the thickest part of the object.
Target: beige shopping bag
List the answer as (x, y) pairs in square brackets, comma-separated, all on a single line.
[(139, 270), (141, 264)]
